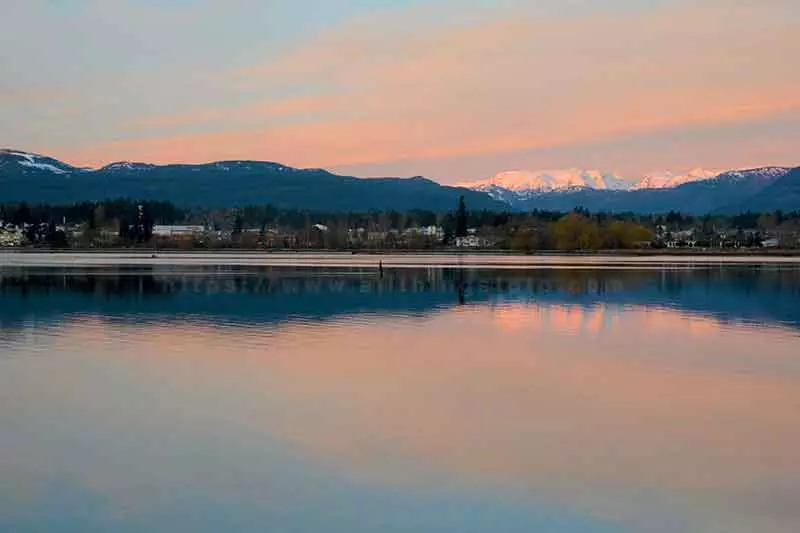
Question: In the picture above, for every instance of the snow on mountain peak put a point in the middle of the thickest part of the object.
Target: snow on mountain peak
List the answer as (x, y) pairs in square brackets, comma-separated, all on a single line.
[(668, 180), (769, 173), (518, 185), (36, 161), (23, 155), (551, 180), (544, 181), (127, 165)]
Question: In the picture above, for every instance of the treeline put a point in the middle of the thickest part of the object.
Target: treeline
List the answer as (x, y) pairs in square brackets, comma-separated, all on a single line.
[(128, 211), (98, 213), (125, 222), (130, 221)]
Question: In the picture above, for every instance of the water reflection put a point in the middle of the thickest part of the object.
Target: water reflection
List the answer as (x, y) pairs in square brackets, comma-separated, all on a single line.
[(760, 294), (602, 401)]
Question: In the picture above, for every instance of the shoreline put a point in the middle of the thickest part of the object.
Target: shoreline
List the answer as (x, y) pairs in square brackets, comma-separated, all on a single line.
[(374, 260), (643, 252)]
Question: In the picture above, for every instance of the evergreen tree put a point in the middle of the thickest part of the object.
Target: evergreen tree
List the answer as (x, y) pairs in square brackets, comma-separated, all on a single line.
[(461, 218), (22, 215), (147, 225), (124, 231)]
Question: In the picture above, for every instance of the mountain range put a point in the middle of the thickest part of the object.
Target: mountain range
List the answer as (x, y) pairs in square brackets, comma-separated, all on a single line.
[(525, 183), (40, 179), (698, 191)]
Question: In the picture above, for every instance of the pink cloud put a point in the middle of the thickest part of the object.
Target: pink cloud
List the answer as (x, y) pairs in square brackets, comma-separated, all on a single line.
[(489, 88), (541, 414)]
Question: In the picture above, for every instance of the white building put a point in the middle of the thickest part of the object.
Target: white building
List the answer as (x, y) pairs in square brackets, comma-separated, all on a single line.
[(178, 231), (472, 241), (436, 232)]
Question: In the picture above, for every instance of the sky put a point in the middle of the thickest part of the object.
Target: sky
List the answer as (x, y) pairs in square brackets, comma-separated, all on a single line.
[(450, 89)]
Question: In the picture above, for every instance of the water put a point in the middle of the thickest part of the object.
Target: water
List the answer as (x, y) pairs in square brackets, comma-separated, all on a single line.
[(185, 398)]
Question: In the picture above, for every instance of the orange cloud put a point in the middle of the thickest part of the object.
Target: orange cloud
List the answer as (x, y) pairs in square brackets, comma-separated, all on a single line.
[(260, 111)]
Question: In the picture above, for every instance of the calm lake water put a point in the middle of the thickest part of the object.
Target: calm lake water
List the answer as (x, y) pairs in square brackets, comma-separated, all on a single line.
[(290, 399)]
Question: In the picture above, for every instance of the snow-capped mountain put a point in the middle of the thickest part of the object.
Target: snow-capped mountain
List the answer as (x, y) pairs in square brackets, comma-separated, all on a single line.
[(33, 162), (668, 180), (522, 181), (523, 184), (33, 178), (127, 165), (764, 174), (697, 191)]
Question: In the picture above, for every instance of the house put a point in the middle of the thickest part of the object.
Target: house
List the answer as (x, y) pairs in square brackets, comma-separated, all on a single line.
[(374, 236), (433, 232), (681, 239), (473, 241), (178, 231)]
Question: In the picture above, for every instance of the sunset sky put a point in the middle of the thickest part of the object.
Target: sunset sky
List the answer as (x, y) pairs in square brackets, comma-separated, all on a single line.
[(450, 89)]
